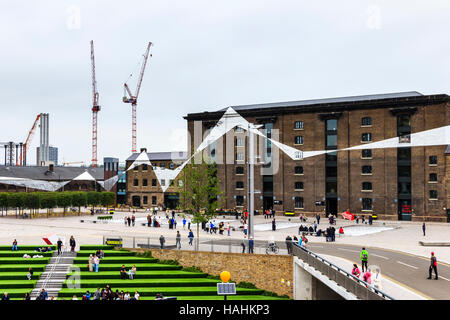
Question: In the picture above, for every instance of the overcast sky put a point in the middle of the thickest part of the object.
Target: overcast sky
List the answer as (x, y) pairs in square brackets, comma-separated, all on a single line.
[(206, 55)]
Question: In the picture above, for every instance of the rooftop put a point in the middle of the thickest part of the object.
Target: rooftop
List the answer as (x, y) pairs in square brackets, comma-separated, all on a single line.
[(161, 156), (43, 173)]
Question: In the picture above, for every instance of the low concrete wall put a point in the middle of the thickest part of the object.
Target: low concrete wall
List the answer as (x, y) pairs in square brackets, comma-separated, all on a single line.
[(268, 272)]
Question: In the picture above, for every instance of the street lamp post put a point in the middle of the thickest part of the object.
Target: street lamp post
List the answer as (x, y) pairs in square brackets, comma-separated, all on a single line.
[(251, 178)]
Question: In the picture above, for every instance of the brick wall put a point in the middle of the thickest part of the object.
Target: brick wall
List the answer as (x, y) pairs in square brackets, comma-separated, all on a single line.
[(264, 271)]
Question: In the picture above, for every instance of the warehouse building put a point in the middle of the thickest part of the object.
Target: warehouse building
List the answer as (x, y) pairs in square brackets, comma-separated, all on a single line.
[(401, 183)]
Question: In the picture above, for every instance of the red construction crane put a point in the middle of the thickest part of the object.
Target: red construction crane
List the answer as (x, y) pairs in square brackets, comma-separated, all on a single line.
[(95, 109), (23, 156), (133, 98)]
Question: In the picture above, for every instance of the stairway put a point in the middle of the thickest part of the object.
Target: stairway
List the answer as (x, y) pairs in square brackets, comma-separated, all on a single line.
[(54, 275)]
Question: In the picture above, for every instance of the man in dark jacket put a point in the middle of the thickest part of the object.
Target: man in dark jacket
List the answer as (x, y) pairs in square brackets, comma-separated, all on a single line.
[(289, 244), (433, 266), (72, 244)]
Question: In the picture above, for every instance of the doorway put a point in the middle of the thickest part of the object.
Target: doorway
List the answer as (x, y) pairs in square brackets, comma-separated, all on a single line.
[(331, 206), (267, 203), (136, 201)]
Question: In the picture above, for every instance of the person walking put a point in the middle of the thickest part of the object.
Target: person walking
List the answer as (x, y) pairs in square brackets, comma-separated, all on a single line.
[(91, 263), (96, 263), (184, 223), (149, 220), (189, 223), (245, 229), (318, 219), (133, 220), (274, 225), (423, 228), (228, 229), (72, 243), (364, 259), (178, 240), (14, 245), (243, 244), (162, 241), (433, 266), (129, 221), (191, 237), (59, 244), (370, 219), (250, 245), (355, 271), (289, 244)]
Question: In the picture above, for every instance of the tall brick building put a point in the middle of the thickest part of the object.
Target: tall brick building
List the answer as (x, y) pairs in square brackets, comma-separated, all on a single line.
[(407, 183)]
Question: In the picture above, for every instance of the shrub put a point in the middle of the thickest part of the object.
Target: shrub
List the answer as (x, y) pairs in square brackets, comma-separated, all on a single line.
[(192, 269)]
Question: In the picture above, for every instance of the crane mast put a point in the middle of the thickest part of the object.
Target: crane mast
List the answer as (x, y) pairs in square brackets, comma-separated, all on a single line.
[(132, 98), (23, 159), (95, 108)]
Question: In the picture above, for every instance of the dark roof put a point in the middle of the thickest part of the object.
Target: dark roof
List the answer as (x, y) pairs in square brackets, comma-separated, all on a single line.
[(171, 155), (389, 100), (43, 173), (327, 101)]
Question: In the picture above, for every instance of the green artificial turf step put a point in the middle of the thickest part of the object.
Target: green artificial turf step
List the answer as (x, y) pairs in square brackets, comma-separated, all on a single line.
[(139, 266), (19, 275), (113, 260), (19, 254), (202, 282), (158, 274), (16, 284), (96, 247), (22, 267), (165, 291), (4, 261), (108, 253), (15, 293), (27, 247)]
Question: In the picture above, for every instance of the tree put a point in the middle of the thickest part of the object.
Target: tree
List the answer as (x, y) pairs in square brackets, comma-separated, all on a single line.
[(14, 200), (32, 200), (64, 200), (93, 198), (4, 201), (200, 193), (107, 198), (79, 199), (48, 200)]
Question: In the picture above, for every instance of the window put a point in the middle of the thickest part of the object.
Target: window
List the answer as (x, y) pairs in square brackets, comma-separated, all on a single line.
[(433, 194), (163, 182), (331, 172), (298, 140), (239, 185), (298, 125), (331, 156), (136, 182), (239, 170), (136, 168), (367, 204), (366, 169), (144, 182), (367, 186), (240, 156), (404, 188), (433, 160), (298, 170), (162, 165), (145, 199), (239, 142), (180, 183), (153, 182), (404, 171), (366, 121), (404, 120), (298, 185), (239, 201), (366, 137), (332, 125), (331, 140), (331, 187), (366, 154), (433, 177), (154, 200), (172, 165), (239, 130), (404, 154), (298, 202), (171, 182), (144, 167)]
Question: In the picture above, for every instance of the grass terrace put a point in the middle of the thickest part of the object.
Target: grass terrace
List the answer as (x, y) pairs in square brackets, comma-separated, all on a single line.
[(14, 269), (152, 277)]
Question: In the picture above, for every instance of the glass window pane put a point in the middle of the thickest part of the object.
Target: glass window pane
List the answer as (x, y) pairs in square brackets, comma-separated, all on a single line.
[(332, 124), (331, 140)]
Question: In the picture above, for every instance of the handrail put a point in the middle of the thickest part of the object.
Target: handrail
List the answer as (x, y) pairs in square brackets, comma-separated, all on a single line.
[(359, 281)]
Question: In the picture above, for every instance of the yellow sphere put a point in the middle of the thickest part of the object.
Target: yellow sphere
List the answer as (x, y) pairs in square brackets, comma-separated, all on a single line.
[(225, 276)]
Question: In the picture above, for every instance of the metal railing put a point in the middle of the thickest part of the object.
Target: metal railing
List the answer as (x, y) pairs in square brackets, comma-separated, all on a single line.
[(351, 283)]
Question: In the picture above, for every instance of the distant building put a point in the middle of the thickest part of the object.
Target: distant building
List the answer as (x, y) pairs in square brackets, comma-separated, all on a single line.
[(52, 157), (53, 151)]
